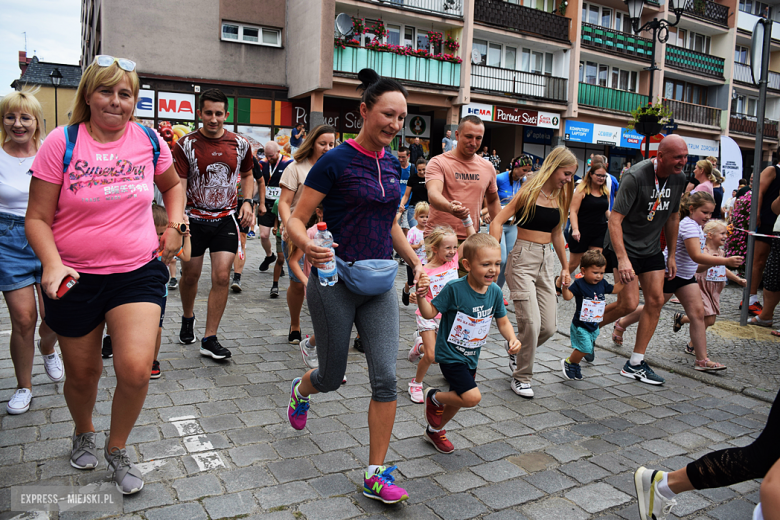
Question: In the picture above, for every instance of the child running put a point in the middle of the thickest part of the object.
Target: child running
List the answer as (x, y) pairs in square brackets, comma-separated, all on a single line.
[(467, 307), (711, 280), (441, 267), (161, 224), (589, 291), (415, 239)]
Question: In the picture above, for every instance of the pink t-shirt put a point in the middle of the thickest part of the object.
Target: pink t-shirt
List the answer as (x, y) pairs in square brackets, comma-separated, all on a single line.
[(704, 186), (103, 221), (439, 277)]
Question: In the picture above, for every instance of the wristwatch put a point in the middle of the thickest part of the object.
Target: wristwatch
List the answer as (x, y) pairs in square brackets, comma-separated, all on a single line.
[(181, 227), (250, 201)]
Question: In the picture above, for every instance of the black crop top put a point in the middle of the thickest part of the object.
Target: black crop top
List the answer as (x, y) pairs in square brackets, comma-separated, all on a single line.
[(543, 219)]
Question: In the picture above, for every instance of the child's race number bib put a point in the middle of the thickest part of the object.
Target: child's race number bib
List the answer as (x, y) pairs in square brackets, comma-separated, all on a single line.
[(273, 192), (592, 311), (438, 281), (716, 273), (469, 332)]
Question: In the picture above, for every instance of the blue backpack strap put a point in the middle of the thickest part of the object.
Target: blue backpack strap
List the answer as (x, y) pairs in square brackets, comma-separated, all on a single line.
[(71, 134), (154, 140)]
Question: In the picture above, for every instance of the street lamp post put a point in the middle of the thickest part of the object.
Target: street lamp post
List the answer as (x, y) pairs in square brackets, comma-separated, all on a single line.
[(56, 77), (660, 29)]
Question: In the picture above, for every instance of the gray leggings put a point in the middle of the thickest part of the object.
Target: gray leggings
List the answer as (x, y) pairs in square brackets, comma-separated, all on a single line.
[(333, 311)]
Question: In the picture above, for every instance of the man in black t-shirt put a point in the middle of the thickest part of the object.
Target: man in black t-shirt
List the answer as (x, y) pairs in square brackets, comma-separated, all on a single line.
[(415, 191), (272, 167)]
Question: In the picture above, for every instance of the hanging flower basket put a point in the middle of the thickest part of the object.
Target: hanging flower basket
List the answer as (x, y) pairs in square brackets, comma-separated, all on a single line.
[(649, 119)]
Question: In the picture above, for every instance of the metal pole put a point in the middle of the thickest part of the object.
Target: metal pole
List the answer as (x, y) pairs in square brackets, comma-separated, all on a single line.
[(757, 160), (652, 70), (56, 121)]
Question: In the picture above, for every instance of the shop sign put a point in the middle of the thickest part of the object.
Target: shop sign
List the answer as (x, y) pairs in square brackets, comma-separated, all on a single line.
[(176, 106), (702, 147), (533, 135), (548, 120), (578, 132), (144, 108), (482, 111), (515, 116), (418, 126), (630, 139)]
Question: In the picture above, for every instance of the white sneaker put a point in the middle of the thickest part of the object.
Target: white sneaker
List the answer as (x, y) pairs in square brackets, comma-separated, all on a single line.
[(53, 365), (521, 389), (415, 354), (652, 504), (415, 391), (512, 360), (309, 354), (20, 402)]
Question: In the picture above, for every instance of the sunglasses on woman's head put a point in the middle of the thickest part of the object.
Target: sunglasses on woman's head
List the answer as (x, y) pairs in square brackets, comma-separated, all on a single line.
[(104, 60)]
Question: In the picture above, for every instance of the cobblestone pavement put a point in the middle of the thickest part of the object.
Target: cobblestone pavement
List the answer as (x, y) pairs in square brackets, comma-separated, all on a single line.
[(213, 440)]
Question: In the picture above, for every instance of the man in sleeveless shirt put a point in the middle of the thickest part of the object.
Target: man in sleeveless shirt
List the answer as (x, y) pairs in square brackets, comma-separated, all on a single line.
[(209, 162)]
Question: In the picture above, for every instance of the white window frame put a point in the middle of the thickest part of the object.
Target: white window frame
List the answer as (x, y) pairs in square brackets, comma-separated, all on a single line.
[(260, 31), (633, 76), (613, 16), (547, 58), (739, 49)]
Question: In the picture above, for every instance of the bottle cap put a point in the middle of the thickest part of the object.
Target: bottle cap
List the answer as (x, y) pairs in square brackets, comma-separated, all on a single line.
[(322, 226)]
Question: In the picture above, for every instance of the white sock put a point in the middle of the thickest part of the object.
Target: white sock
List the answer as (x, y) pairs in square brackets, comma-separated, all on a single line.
[(372, 469), (432, 430), (297, 394), (663, 488), (406, 291), (433, 398), (753, 299), (636, 359)]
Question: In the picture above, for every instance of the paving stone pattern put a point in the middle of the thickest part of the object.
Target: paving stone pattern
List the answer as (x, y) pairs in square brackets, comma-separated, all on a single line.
[(213, 440)]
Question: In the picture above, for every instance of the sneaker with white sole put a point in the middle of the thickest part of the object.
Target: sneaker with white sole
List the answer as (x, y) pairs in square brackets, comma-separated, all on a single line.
[(127, 476), (512, 358), (309, 354), (652, 504), (19, 402), (52, 364), (522, 389), (415, 353), (416, 392), (83, 454), (641, 372)]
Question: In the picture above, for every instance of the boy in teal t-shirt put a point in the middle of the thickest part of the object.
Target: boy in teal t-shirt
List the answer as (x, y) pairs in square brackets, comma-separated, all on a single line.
[(467, 306)]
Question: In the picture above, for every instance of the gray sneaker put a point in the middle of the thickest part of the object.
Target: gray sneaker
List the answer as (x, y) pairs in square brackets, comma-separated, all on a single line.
[(84, 452), (309, 354), (127, 477)]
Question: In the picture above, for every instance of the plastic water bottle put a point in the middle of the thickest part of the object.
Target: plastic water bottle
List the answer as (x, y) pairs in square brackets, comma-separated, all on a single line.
[(328, 273)]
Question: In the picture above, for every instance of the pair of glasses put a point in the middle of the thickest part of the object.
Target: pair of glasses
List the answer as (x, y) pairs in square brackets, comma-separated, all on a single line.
[(25, 120), (104, 60), (600, 176)]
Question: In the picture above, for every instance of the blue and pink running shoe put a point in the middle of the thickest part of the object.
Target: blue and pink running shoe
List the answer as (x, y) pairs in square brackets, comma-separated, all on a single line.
[(379, 486), (298, 407)]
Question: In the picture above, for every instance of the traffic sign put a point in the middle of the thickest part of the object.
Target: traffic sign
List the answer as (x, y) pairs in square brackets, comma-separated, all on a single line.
[(654, 142)]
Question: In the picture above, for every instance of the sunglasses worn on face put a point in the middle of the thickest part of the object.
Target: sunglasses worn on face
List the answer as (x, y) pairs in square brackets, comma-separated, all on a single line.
[(104, 60)]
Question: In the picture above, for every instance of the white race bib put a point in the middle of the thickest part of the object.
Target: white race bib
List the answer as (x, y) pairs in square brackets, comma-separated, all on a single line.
[(716, 273), (273, 193), (469, 332), (438, 281), (592, 311)]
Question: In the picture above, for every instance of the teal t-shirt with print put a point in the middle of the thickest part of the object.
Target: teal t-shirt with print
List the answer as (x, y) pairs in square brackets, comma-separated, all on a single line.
[(466, 317)]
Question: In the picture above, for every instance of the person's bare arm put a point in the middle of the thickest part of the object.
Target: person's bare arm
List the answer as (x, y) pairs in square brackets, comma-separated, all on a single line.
[(404, 199), (770, 493), (508, 332), (574, 210), (560, 249), (671, 229), (296, 227), (173, 198), (285, 201), (566, 293), (615, 226), (736, 279), (261, 195), (496, 229), (246, 212), (493, 204), (767, 177), (438, 201), (693, 247)]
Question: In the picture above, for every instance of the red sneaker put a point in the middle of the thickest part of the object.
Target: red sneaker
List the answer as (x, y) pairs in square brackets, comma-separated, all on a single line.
[(439, 441), (755, 309), (433, 412), (155, 370)]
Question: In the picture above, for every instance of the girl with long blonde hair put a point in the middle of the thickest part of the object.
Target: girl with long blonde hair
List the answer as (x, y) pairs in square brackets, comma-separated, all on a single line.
[(539, 210)]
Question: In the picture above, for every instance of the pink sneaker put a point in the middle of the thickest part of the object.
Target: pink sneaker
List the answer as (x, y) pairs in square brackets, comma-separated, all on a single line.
[(415, 391), (415, 353), (298, 407), (380, 486)]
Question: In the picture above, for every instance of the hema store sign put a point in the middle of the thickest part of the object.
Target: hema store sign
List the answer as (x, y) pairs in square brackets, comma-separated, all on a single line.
[(512, 115), (172, 105)]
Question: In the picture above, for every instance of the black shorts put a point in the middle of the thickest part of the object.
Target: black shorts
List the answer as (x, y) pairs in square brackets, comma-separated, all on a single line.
[(460, 377), (162, 310), (766, 229), (242, 229), (671, 286), (84, 307), (587, 240), (655, 262), (268, 219), (409, 276), (214, 235)]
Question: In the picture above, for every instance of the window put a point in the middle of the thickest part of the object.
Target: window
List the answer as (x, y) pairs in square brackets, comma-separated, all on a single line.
[(251, 34), (494, 55), (542, 5), (510, 58), (684, 91), (742, 55), (479, 47), (394, 34), (744, 106), (606, 17), (607, 76), (409, 37)]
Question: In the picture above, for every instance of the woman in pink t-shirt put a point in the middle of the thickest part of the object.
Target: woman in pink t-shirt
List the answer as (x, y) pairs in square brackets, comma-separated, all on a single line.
[(703, 174), (93, 222)]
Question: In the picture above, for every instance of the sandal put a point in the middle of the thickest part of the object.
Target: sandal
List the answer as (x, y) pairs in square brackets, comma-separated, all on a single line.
[(558, 289), (678, 316), (618, 340), (755, 320), (775, 333), (705, 365), (690, 350), (674, 299)]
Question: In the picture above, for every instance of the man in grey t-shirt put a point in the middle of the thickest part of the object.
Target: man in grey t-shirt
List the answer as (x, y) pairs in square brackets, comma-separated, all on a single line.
[(446, 143), (647, 202)]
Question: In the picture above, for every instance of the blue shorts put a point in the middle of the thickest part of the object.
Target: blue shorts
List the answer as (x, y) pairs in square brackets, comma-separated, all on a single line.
[(286, 248), (20, 265), (460, 377), (84, 307), (582, 339)]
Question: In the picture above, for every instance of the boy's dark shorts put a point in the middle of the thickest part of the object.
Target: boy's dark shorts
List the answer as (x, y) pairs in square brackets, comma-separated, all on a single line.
[(460, 377), (647, 264), (84, 307)]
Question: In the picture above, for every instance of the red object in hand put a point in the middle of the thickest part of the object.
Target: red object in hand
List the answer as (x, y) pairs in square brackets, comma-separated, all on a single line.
[(67, 284)]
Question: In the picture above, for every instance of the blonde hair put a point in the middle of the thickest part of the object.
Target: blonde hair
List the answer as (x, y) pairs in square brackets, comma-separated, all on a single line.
[(434, 239), (474, 243), (713, 225), (91, 80), (585, 184), (23, 101), (525, 206), (706, 167), (420, 208)]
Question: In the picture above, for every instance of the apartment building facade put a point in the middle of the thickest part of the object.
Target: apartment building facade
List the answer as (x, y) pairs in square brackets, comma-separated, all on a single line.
[(538, 72)]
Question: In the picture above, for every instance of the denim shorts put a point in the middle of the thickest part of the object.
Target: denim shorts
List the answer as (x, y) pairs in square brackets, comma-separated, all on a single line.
[(286, 248), (20, 265)]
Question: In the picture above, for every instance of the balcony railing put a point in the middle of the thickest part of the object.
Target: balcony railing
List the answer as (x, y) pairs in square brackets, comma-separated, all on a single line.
[(745, 124), (743, 74), (445, 7), (692, 61), (708, 11), (690, 113), (522, 19), (598, 37), (441, 74), (609, 98), (516, 83)]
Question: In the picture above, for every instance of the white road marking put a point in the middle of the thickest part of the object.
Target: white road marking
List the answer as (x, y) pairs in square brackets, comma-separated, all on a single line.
[(188, 427), (208, 460), (146, 467), (197, 443)]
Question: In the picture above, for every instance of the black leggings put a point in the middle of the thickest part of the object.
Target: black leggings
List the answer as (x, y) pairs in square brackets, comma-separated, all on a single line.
[(734, 465)]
